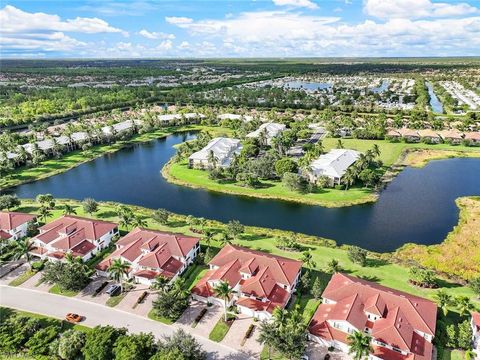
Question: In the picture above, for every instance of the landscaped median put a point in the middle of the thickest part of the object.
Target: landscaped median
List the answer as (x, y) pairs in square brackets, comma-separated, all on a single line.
[(221, 328)]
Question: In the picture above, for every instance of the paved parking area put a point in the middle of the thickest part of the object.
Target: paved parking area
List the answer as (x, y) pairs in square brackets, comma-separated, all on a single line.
[(87, 293), (205, 326), (9, 275), (237, 332), (130, 299), (189, 315), (316, 351), (34, 283)]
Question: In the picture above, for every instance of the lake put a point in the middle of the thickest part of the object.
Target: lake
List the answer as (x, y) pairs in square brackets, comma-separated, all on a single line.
[(382, 87), (435, 103), (417, 206)]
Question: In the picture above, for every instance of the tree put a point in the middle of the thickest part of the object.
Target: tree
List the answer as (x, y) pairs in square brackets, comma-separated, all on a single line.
[(22, 249), (39, 343), (161, 283), (161, 216), (70, 344), (357, 255), (184, 344), (172, 303), (465, 335), (100, 341), (333, 266), (422, 277), (46, 200), (118, 270), (44, 213), (9, 202), (307, 259), (317, 288), (474, 284), (234, 229), (452, 335), (360, 346), (168, 354), (444, 301), (138, 221), (68, 276), (348, 179), (15, 331), (464, 305), (285, 165), (268, 336), (69, 210), (212, 159), (224, 291), (90, 206), (126, 216), (135, 346), (294, 182)]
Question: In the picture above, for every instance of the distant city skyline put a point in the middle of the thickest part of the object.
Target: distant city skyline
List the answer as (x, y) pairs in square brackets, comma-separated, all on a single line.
[(262, 28)]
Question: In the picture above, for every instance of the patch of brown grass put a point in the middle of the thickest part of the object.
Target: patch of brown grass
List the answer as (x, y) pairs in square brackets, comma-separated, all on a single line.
[(420, 157)]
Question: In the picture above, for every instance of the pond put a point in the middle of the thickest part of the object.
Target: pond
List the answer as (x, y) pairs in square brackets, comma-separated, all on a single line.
[(435, 103), (306, 85), (382, 87), (418, 206)]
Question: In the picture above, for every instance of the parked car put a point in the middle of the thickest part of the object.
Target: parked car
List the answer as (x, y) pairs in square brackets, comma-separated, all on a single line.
[(73, 318), (113, 290)]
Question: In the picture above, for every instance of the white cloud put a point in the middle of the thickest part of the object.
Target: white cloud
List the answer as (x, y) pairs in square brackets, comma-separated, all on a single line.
[(183, 45), (411, 9), (178, 20), (165, 45), (296, 3), (155, 35), (14, 20)]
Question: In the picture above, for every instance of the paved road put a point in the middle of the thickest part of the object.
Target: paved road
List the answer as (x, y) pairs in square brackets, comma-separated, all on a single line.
[(57, 306)]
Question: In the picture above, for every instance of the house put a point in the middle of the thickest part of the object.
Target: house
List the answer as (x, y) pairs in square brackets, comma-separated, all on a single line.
[(260, 281), (222, 148), (269, 129), (451, 136), (153, 253), (409, 135), (78, 236), (473, 138), (244, 118), (402, 326), (429, 136), (332, 165), (393, 134), (475, 322), (14, 225)]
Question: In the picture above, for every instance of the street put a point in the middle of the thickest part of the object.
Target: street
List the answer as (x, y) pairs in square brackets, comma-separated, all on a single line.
[(57, 306)]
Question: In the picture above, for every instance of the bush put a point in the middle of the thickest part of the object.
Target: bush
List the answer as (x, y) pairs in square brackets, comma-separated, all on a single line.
[(285, 165), (357, 255), (295, 182), (39, 343), (142, 297), (38, 265), (70, 344), (199, 317)]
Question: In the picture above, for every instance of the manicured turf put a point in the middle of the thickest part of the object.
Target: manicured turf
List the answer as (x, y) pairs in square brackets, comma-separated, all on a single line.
[(55, 289), (115, 300), (220, 330), (22, 278), (193, 274), (152, 315)]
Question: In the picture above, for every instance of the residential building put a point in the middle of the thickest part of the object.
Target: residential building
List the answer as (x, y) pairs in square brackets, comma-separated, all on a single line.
[(393, 134), (78, 236), (473, 138), (153, 253), (429, 136), (244, 118), (332, 165), (451, 136), (409, 135), (223, 149), (475, 322), (402, 326), (14, 225), (260, 281), (270, 130)]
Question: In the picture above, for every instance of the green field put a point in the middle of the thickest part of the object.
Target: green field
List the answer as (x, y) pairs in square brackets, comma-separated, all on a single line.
[(179, 173)]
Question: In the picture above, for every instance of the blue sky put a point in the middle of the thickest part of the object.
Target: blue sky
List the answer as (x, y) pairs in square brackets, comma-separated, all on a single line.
[(241, 28)]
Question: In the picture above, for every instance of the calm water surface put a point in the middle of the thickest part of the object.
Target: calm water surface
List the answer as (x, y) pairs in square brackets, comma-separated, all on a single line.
[(435, 103), (418, 206)]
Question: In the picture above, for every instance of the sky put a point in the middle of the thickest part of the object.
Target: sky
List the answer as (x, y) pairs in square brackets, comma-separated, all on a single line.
[(239, 28)]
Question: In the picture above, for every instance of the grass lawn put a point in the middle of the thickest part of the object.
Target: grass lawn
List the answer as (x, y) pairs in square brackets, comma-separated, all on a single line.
[(22, 278), (153, 316), (307, 305), (273, 355), (193, 274), (179, 173), (220, 330), (115, 300), (55, 289), (446, 354)]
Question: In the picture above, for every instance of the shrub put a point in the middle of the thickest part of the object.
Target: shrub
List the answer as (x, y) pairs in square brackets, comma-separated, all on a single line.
[(38, 265), (38, 344), (357, 255), (199, 317), (285, 165), (142, 297)]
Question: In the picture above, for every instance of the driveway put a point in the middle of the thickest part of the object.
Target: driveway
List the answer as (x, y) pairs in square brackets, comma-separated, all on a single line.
[(189, 315), (237, 332), (34, 283), (205, 326), (316, 351), (6, 268), (57, 306), (9, 275), (131, 298), (87, 293)]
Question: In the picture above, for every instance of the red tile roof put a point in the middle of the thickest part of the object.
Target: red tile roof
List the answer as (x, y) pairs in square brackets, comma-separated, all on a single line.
[(401, 314), (277, 298), (476, 319), (82, 248), (472, 136), (4, 235), (12, 220)]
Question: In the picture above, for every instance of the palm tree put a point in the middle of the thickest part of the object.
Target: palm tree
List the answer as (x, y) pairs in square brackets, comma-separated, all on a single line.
[(161, 283), (70, 259), (224, 238), (22, 248), (268, 336), (464, 305), (376, 150), (444, 301), (69, 210), (308, 259), (212, 159), (207, 237), (280, 317), (339, 144), (118, 270), (349, 177), (360, 346), (44, 213), (263, 137), (138, 221), (224, 291), (333, 266)]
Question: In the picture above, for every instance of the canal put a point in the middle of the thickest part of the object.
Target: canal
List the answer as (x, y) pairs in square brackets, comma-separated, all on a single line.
[(418, 206)]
